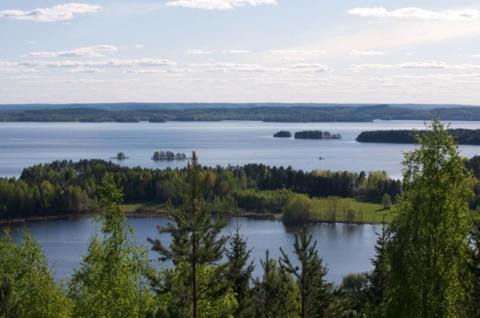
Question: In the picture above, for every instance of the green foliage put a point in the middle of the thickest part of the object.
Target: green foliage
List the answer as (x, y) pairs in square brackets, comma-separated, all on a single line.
[(175, 297), (110, 281), (27, 288), (195, 244), (386, 201), (65, 187), (379, 277), (239, 274), (300, 209), (309, 275), (351, 297), (277, 294), (428, 247)]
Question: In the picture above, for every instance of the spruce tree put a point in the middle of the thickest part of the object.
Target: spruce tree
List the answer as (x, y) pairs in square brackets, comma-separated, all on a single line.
[(196, 245), (276, 295), (379, 276), (309, 275), (239, 273), (428, 249)]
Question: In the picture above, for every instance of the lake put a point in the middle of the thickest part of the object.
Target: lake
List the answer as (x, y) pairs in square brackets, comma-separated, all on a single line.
[(344, 248), (217, 143)]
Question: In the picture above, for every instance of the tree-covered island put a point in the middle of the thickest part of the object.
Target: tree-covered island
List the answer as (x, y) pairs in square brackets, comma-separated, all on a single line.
[(282, 134), (316, 134), (460, 135), (168, 155)]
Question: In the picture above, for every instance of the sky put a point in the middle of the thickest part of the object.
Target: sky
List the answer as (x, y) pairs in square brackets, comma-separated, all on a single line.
[(319, 51)]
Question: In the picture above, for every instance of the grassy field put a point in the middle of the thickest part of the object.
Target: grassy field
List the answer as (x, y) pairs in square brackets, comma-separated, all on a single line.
[(143, 207), (349, 210), (301, 209)]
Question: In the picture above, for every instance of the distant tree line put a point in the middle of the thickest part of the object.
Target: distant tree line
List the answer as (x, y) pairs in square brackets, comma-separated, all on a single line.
[(300, 113), (461, 136), (65, 187)]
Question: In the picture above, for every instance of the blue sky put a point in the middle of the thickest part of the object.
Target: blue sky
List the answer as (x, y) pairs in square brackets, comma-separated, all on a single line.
[(240, 51)]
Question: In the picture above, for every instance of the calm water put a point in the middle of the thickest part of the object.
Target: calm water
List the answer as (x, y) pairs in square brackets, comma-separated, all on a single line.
[(217, 143), (344, 248)]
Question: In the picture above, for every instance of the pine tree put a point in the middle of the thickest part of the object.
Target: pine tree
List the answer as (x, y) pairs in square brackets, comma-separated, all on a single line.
[(110, 281), (309, 275), (239, 273), (196, 245), (428, 249), (276, 295)]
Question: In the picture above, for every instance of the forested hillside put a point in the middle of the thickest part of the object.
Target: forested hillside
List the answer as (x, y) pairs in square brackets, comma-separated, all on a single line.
[(293, 113)]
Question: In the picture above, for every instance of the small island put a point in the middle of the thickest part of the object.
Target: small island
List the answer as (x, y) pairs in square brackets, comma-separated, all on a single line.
[(168, 155), (461, 136), (282, 134), (120, 156), (316, 134)]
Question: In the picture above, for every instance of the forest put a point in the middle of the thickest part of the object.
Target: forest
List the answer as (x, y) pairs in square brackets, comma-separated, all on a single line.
[(66, 187), (266, 113), (461, 136), (426, 262)]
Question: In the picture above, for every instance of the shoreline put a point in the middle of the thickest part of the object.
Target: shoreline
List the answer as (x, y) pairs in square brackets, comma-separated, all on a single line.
[(163, 213)]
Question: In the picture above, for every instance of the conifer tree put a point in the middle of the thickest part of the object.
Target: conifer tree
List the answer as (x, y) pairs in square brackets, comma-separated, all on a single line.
[(309, 275), (428, 249), (379, 276), (239, 273), (276, 295), (196, 245), (110, 281)]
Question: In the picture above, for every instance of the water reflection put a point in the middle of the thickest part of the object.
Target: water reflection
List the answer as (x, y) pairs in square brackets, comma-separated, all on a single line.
[(345, 248)]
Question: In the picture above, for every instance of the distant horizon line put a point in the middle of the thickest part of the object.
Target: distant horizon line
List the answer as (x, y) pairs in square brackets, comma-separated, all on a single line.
[(236, 103)]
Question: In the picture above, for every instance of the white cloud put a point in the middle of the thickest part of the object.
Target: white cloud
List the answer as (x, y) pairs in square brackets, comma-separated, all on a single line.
[(138, 46), (218, 4), (310, 67), (100, 63), (235, 52), (367, 53), (298, 52), (475, 56), (90, 51), (229, 67), (56, 13), (82, 69), (428, 65), (418, 13), (198, 52)]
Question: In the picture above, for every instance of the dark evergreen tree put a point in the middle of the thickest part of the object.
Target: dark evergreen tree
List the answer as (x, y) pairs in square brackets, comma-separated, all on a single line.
[(309, 275), (379, 276), (195, 244), (276, 295), (239, 273)]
